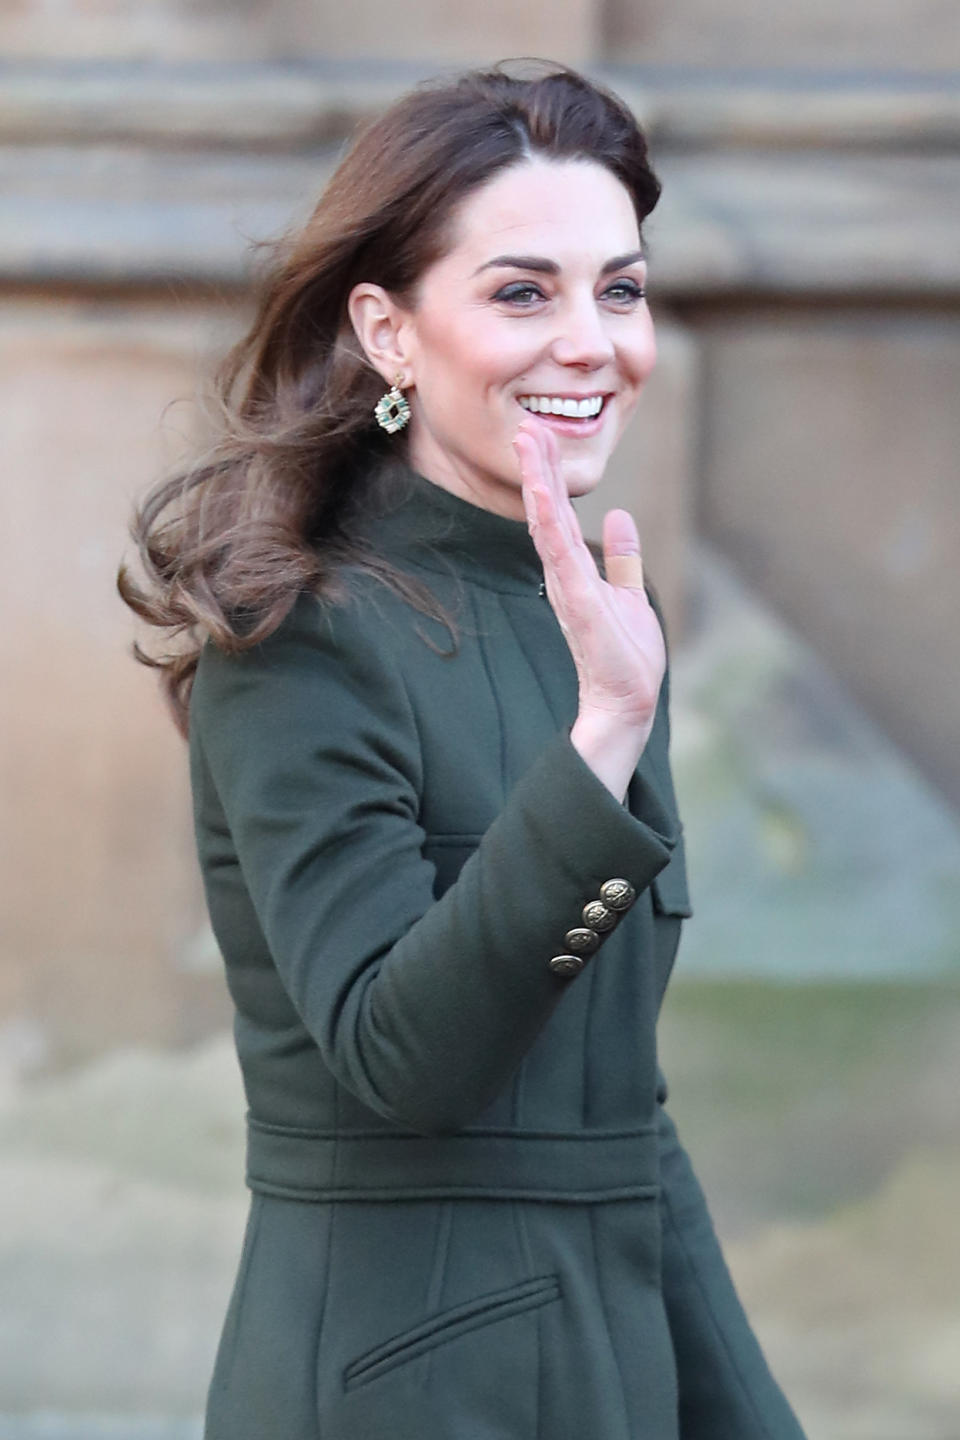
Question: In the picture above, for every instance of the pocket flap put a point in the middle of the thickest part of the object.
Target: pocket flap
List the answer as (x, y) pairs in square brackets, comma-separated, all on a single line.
[(671, 895)]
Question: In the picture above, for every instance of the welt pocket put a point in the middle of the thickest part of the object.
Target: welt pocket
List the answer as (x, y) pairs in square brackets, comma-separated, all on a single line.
[(670, 891), (446, 1325), (454, 840)]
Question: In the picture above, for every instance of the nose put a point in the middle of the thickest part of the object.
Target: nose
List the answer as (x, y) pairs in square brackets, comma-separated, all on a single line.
[(582, 338)]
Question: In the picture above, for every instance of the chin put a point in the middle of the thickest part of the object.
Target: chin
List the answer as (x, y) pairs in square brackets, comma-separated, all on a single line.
[(582, 481)]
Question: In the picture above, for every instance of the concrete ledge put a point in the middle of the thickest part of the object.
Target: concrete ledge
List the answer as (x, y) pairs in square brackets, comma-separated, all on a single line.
[(293, 104), (222, 106), (142, 174), (780, 223)]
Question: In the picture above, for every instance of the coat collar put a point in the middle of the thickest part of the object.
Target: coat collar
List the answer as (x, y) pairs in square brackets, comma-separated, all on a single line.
[(414, 520)]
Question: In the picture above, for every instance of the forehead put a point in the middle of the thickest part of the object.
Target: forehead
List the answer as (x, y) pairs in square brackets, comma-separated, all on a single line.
[(564, 210)]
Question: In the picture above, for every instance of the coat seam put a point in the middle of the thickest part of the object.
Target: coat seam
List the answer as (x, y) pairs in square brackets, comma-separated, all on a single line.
[(538, 1388), (438, 1275), (518, 636), (715, 1324), (498, 704), (601, 1297), (327, 1267), (247, 1266)]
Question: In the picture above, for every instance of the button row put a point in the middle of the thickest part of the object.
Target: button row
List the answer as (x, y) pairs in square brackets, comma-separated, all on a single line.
[(599, 918)]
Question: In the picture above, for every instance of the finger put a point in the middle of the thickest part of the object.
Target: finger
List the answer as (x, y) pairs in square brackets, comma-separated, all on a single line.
[(621, 551), (542, 497), (532, 476), (565, 511), (540, 461), (569, 570), (567, 516), (539, 499)]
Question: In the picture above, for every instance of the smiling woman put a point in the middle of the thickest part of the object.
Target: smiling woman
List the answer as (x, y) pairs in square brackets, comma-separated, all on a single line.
[(448, 879), (560, 327)]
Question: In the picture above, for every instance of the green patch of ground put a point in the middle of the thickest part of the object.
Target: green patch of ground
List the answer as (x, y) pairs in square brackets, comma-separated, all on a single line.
[(794, 1099)]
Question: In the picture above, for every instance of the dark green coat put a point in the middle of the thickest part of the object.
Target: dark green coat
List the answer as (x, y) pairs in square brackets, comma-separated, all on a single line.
[(471, 1218)]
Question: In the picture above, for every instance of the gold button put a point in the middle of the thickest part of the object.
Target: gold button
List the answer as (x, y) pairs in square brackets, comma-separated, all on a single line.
[(617, 894), (597, 917), (581, 940), (567, 965)]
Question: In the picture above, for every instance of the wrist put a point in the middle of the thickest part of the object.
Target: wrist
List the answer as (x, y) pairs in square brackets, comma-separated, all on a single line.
[(610, 744), (615, 725)]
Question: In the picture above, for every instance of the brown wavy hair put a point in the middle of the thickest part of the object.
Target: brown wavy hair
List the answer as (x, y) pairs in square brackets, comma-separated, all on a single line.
[(228, 545)]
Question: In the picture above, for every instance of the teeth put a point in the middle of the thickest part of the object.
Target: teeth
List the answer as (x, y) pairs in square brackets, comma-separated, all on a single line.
[(555, 405)]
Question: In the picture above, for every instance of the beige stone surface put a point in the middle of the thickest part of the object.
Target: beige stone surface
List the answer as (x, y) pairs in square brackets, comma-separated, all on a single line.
[(807, 223), (309, 101), (651, 471), (817, 111), (293, 29), (898, 35), (101, 907), (913, 35), (264, 106), (733, 223), (829, 473)]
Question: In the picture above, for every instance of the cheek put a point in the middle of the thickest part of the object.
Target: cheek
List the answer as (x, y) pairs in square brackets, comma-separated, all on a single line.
[(640, 356), (475, 355), (496, 357)]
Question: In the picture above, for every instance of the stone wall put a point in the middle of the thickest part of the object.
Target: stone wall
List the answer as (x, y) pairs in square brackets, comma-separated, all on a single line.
[(103, 927), (919, 35), (841, 505), (887, 35)]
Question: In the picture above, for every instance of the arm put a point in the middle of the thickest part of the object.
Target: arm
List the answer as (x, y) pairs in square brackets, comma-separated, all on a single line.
[(726, 1389), (422, 1009)]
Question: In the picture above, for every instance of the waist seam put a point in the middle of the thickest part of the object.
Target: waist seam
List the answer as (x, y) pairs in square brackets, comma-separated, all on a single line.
[(586, 1166)]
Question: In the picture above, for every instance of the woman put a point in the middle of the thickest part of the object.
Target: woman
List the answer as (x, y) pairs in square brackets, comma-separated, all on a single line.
[(434, 809)]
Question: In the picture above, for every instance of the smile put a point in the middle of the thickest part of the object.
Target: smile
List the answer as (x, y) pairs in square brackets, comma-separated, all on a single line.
[(569, 407)]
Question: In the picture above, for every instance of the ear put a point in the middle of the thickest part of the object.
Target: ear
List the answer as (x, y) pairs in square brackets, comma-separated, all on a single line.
[(381, 326)]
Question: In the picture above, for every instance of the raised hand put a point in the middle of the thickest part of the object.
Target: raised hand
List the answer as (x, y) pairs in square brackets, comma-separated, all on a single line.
[(609, 625)]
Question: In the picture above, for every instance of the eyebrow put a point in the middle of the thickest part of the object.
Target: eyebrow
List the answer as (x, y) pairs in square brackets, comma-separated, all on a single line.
[(550, 267)]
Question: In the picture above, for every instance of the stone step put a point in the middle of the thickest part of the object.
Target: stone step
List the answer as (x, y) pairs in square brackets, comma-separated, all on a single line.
[(731, 223), (272, 105)]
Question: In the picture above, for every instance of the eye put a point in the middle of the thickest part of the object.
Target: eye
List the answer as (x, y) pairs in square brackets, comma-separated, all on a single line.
[(626, 291), (521, 292)]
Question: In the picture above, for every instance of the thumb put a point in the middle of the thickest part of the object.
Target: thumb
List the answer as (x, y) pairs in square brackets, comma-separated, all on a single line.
[(621, 550)]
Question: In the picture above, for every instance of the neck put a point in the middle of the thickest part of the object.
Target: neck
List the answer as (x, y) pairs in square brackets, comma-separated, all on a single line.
[(488, 491)]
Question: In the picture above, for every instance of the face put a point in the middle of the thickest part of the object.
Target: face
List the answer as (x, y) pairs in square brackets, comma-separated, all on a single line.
[(538, 306)]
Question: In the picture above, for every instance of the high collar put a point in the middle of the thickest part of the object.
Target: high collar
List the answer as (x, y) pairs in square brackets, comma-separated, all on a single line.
[(412, 519)]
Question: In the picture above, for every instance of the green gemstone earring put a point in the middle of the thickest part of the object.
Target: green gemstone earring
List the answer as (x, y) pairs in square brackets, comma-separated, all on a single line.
[(393, 409)]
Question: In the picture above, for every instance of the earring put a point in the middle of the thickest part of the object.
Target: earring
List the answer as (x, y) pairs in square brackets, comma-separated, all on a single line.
[(393, 409)]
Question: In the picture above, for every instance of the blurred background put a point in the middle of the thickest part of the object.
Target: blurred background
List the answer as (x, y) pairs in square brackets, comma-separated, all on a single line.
[(793, 466)]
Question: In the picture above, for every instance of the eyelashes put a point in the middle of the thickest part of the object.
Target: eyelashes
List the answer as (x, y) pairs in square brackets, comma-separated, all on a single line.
[(524, 293), (633, 290)]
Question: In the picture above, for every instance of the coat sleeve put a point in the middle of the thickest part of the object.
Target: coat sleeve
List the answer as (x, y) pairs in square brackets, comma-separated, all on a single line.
[(726, 1390), (423, 1008)]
